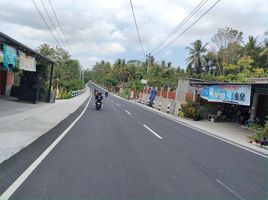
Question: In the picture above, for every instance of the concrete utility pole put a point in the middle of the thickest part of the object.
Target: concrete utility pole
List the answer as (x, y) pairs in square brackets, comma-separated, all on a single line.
[(149, 58), (82, 75)]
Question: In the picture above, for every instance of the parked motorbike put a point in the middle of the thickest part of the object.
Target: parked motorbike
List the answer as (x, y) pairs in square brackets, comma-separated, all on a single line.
[(98, 105)]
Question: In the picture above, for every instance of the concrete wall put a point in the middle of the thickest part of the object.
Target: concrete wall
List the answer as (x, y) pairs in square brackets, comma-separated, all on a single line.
[(173, 104), (182, 89)]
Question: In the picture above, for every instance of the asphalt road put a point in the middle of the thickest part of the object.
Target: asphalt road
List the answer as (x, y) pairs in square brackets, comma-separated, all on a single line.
[(126, 152)]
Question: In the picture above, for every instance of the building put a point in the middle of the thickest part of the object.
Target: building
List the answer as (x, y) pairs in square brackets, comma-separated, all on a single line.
[(234, 101), (18, 57)]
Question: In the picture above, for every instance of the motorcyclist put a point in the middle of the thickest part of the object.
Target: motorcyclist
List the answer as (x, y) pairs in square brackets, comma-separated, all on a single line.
[(98, 97), (96, 92), (106, 94)]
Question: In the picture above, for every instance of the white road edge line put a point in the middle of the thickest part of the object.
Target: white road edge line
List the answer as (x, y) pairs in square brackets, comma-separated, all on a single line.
[(127, 112), (153, 132), (118, 105), (15, 185), (230, 190)]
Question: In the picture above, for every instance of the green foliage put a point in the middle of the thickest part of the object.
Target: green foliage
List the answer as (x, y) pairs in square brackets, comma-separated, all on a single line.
[(181, 114), (230, 60), (190, 110), (126, 93), (196, 60), (64, 94), (72, 85), (265, 129), (67, 71), (130, 74)]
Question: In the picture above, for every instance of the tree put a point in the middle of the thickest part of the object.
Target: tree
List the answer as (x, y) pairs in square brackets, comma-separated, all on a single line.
[(253, 50), (66, 74), (47, 51), (263, 55), (228, 42), (196, 59)]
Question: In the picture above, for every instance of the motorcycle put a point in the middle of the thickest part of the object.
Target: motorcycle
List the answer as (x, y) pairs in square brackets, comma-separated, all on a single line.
[(98, 105), (106, 94)]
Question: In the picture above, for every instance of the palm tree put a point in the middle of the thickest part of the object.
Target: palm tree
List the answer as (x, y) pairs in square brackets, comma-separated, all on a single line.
[(196, 59), (264, 50), (251, 44)]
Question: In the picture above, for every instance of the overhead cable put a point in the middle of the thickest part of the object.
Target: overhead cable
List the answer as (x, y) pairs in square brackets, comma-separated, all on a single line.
[(183, 22), (159, 51), (57, 19), (50, 19), (44, 20), (142, 49)]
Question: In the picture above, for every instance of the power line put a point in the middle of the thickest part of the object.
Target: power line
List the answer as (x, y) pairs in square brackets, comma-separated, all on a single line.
[(137, 28), (187, 28), (198, 7), (57, 19), (50, 19), (44, 20)]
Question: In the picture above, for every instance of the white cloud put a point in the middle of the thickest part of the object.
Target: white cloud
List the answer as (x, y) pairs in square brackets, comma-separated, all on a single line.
[(105, 28), (105, 48), (168, 52)]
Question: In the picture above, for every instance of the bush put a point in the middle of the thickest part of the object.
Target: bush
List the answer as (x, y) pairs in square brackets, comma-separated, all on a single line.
[(181, 114), (126, 93), (190, 110), (265, 130), (72, 85)]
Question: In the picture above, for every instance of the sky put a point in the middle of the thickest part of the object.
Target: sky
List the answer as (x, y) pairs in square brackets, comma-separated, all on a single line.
[(104, 29)]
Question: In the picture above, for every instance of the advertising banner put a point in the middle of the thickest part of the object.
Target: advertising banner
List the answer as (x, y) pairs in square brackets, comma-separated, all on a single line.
[(152, 95), (234, 94), (10, 56), (27, 63)]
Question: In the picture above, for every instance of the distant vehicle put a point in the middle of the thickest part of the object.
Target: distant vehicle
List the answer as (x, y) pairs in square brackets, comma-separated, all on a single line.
[(106, 94)]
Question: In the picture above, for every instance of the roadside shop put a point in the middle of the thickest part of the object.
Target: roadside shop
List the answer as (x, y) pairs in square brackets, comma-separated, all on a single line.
[(237, 102), (24, 73)]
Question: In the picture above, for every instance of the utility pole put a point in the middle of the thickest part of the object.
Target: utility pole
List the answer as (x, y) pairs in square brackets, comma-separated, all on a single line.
[(83, 75), (149, 57)]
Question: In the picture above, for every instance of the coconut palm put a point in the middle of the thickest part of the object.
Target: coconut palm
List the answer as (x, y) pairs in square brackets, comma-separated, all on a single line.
[(196, 59), (264, 51)]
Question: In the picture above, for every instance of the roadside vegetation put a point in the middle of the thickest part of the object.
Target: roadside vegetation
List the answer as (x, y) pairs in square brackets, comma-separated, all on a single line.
[(67, 71), (227, 58)]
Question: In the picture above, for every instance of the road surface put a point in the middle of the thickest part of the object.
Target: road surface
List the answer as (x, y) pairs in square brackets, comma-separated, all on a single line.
[(126, 152)]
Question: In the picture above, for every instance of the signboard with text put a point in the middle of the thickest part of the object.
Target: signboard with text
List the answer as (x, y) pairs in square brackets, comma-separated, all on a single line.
[(10, 56), (234, 94), (143, 81), (27, 63)]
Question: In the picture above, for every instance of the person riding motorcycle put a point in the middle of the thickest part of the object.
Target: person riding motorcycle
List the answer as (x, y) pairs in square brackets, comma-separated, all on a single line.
[(106, 94), (96, 92), (98, 97)]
